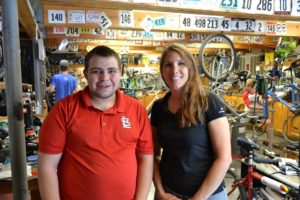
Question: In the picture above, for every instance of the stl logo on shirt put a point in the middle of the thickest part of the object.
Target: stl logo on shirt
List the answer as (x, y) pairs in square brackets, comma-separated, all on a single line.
[(125, 122)]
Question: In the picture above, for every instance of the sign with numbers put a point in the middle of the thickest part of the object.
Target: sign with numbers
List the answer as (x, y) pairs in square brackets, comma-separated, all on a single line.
[(246, 6), (196, 37), (174, 36), (260, 26), (256, 6), (110, 34), (126, 18), (59, 30), (229, 4), (212, 23), (271, 28), (199, 22), (187, 22), (73, 31), (76, 16), (282, 6), (180, 36), (97, 31), (224, 24), (245, 25), (264, 7), (174, 3), (56, 17), (148, 35), (136, 35), (93, 16), (105, 22), (159, 22), (295, 8)]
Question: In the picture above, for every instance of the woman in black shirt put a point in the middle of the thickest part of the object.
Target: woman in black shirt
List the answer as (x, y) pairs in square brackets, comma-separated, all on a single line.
[(190, 126)]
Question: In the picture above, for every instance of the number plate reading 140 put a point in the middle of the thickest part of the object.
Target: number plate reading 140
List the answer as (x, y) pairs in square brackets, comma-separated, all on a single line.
[(56, 17)]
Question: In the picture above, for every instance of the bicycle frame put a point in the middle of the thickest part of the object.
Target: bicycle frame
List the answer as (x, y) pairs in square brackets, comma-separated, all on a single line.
[(295, 106), (247, 181)]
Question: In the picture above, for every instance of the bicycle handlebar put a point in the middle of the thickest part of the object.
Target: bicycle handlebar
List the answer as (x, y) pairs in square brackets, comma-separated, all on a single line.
[(266, 161)]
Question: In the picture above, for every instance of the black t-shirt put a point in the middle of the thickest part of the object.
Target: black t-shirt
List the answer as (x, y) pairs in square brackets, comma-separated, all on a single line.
[(187, 152)]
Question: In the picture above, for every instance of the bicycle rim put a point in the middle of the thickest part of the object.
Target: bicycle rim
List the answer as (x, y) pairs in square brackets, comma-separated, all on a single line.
[(217, 56), (259, 128), (291, 129), (239, 192), (145, 82)]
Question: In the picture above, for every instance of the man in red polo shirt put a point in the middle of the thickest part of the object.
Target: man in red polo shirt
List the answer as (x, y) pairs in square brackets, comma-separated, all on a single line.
[(97, 143)]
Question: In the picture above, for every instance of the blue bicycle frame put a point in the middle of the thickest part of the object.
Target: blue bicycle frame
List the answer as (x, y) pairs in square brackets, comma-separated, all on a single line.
[(295, 104)]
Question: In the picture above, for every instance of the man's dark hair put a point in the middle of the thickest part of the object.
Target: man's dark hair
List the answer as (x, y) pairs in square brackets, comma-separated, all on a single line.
[(103, 51), (63, 65)]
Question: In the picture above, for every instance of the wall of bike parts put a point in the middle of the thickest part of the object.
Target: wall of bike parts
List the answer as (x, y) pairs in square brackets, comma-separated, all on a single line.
[(139, 30)]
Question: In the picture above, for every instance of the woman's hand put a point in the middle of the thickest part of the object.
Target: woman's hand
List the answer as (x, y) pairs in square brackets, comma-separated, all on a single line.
[(168, 196)]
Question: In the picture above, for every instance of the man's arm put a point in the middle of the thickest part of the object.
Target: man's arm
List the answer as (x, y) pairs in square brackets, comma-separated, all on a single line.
[(47, 176), (144, 176), (51, 88)]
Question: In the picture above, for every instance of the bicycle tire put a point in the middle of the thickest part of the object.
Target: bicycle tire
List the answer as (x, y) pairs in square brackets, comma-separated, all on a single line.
[(216, 73), (290, 124), (145, 82), (259, 128), (231, 178)]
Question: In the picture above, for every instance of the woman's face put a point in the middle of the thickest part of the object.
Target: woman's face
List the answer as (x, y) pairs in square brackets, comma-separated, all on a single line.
[(174, 71)]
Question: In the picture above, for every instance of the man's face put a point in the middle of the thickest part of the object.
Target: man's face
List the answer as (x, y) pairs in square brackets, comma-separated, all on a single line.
[(103, 77)]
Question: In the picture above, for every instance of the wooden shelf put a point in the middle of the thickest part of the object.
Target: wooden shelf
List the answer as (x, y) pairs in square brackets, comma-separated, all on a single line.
[(76, 66)]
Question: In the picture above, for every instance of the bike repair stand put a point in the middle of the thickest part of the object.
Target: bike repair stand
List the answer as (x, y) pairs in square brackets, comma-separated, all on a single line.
[(271, 129)]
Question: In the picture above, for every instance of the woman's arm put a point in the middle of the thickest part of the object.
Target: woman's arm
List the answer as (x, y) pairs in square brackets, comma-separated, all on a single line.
[(160, 192), (219, 133)]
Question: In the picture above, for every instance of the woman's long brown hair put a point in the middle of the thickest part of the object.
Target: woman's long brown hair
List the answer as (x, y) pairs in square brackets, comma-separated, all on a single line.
[(194, 96)]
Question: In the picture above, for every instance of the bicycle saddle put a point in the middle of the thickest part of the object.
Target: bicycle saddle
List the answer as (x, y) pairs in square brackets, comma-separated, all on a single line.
[(3, 133), (247, 143)]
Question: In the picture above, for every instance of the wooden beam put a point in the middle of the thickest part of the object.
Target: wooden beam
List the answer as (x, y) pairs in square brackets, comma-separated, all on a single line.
[(110, 4), (26, 18), (291, 28)]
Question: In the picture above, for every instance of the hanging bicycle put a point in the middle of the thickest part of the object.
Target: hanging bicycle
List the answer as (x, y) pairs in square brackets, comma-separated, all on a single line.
[(217, 57)]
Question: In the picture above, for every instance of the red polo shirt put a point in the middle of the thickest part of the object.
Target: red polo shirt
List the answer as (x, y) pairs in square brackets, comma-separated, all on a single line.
[(99, 148)]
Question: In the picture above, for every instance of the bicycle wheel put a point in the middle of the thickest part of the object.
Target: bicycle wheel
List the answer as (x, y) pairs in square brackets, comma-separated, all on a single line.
[(259, 127), (217, 56), (145, 82), (291, 128), (238, 192)]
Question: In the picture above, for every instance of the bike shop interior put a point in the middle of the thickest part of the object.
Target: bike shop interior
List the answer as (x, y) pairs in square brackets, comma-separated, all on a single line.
[(232, 41)]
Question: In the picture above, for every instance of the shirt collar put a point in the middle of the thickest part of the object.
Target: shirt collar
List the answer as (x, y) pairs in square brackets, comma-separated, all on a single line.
[(119, 104)]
